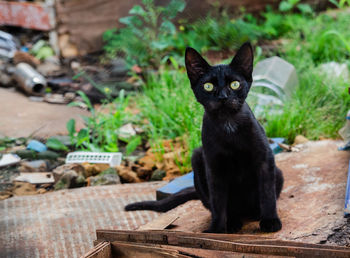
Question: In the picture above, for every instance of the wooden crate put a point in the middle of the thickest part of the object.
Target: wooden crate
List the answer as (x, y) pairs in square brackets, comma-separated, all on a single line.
[(166, 243)]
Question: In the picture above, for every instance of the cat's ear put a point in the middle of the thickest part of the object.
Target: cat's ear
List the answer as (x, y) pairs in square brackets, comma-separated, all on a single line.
[(243, 60), (196, 66)]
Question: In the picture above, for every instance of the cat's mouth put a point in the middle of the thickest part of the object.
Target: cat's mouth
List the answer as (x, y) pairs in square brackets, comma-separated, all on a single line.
[(232, 105)]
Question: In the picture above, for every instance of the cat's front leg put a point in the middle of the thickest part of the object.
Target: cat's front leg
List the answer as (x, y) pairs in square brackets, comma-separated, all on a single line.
[(218, 196), (270, 221)]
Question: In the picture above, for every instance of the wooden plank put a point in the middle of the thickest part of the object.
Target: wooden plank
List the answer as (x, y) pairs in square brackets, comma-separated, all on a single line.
[(162, 222), (102, 250), (225, 242), (123, 249)]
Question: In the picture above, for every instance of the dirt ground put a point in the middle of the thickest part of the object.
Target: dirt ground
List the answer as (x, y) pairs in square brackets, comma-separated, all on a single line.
[(21, 117)]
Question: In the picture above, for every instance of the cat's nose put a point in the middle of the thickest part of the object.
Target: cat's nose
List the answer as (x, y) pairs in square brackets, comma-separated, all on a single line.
[(222, 96)]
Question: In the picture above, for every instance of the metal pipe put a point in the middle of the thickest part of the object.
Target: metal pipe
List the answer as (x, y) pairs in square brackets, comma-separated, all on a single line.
[(29, 79)]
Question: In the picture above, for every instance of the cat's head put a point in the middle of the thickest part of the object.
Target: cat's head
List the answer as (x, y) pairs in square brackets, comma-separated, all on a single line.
[(221, 87)]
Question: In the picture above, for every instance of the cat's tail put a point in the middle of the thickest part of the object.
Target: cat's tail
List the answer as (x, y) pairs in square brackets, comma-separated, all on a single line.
[(167, 203)]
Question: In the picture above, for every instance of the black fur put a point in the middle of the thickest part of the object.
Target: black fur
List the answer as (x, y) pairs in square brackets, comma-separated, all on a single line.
[(235, 174)]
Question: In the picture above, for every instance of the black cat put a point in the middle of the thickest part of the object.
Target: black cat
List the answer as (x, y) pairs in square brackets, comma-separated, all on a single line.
[(235, 175)]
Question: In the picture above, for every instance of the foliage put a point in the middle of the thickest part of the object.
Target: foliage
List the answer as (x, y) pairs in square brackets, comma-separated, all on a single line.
[(340, 3), (101, 131), (290, 5), (147, 34), (171, 110)]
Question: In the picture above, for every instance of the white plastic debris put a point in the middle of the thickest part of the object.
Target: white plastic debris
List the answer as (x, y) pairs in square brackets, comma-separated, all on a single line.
[(9, 159), (36, 178), (277, 75), (335, 70), (111, 158)]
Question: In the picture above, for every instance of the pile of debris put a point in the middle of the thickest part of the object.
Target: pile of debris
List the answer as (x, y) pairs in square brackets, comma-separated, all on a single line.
[(32, 167), (29, 63)]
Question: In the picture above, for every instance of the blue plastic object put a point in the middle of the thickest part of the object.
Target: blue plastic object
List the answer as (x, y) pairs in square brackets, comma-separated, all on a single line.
[(185, 181), (347, 196), (36, 146)]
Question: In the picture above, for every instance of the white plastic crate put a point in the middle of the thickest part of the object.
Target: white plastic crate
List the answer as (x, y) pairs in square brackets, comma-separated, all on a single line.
[(111, 158)]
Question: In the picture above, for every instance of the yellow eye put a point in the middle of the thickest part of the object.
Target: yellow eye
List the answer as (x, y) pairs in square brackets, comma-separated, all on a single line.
[(234, 85), (208, 86)]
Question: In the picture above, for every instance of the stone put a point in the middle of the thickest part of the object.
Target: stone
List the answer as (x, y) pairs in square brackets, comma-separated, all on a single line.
[(33, 166), (107, 177), (67, 180), (126, 131), (299, 139), (128, 175), (23, 188), (61, 170), (158, 175), (93, 169)]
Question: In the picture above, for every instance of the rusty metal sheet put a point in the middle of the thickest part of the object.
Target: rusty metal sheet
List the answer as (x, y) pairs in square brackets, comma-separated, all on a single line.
[(26, 15), (311, 204)]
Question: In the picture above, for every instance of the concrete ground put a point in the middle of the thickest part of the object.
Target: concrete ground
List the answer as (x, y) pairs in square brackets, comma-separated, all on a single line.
[(20, 117), (63, 223)]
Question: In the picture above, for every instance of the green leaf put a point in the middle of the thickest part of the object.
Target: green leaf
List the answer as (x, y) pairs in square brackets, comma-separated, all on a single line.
[(86, 100), (71, 127), (82, 136), (285, 6), (305, 8), (131, 21), (174, 7), (56, 144), (132, 145), (138, 10), (168, 27)]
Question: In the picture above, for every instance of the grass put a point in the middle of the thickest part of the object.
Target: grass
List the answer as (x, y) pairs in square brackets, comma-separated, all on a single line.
[(316, 109), (170, 108)]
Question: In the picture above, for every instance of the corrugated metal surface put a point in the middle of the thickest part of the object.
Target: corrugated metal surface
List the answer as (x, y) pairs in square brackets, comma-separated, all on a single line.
[(63, 223)]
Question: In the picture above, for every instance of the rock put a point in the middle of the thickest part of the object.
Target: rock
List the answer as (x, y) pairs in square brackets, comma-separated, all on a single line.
[(23, 188), (128, 175), (144, 173), (299, 139), (51, 155), (55, 99), (119, 68), (5, 80), (67, 180), (26, 154), (126, 131), (49, 68), (67, 48), (61, 170), (93, 169), (36, 146), (33, 166), (158, 175), (107, 177)]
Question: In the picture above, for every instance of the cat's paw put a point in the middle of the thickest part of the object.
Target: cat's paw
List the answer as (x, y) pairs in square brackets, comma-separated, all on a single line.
[(214, 230), (234, 226), (270, 225)]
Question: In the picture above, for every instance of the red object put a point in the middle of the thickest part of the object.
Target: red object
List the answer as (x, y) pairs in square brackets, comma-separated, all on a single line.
[(26, 15)]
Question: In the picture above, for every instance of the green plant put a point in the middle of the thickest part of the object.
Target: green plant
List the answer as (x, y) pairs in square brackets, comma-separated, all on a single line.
[(102, 128), (147, 35), (290, 5), (340, 3), (171, 110)]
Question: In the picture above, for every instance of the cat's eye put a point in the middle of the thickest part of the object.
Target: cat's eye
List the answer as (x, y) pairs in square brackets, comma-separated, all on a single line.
[(234, 85), (208, 86)]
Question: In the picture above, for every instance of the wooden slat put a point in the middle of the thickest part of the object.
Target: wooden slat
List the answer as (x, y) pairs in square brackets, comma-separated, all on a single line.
[(225, 242), (101, 250), (162, 222)]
